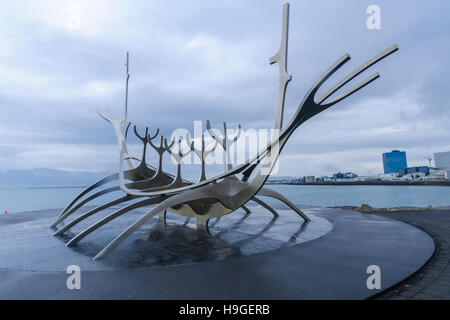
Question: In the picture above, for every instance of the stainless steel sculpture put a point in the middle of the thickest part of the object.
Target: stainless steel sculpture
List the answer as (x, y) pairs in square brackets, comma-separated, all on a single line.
[(209, 197)]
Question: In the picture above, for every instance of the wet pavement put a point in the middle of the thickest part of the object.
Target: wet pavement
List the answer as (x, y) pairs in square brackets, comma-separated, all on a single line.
[(433, 280), (28, 244), (328, 261)]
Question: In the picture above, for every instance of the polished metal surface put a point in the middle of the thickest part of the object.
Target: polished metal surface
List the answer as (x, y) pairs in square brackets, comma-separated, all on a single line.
[(215, 196), (202, 153), (225, 141), (281, 59)]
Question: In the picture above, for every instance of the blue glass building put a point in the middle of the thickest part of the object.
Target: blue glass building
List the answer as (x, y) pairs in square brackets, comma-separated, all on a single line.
[(393, 161)]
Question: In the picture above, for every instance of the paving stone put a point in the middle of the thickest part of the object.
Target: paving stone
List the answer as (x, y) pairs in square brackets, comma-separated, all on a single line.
[(432, 282)]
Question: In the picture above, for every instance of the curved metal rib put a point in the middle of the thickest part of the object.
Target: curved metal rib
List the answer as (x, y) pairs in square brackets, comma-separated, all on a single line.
[(93, 186), (142, 171), (145, 185), (82, 203), (357, 72), (164, 205), (271, 193), (91, 212), (111, 217), (247, 210), (265, 205)]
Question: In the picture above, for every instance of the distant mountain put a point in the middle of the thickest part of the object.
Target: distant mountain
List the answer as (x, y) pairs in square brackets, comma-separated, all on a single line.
[(43, 177)]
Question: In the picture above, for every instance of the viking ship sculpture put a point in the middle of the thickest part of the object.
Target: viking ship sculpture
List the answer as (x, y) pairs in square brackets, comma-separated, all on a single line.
[(209, 197)]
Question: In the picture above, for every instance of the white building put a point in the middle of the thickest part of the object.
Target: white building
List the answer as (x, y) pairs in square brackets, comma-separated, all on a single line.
[(439, 174), (389, 176), (398, 177), (366, 178), (414, 176)]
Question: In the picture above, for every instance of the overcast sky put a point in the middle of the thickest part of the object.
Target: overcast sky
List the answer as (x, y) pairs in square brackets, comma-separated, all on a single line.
[(197, 60)]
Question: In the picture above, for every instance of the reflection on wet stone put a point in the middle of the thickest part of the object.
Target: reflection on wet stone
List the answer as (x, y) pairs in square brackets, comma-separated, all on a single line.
[(178, 242), (157, 244)]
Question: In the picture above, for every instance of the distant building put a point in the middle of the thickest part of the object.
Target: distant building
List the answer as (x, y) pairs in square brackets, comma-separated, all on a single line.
[(324, 178), (393, 161), (309, 179), (412, 170), (414, 176), (338, 175), (442, 160), (343, 176), (398, 177), (439, 174), (367, 178), (389, 176)]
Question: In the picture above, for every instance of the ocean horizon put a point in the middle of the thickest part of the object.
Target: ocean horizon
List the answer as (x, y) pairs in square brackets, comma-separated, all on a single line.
[(39, 198)]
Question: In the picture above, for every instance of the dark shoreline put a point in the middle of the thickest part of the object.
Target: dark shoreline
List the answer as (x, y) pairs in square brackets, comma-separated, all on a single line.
[(369, 209), (444, 183)]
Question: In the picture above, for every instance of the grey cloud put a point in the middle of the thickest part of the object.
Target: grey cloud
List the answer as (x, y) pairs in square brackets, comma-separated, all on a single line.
[(195, 60)]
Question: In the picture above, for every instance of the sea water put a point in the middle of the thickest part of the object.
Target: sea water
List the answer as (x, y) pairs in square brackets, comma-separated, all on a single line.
[(17, 200)]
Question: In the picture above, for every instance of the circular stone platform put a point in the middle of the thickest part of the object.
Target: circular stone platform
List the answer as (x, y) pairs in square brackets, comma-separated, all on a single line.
[(252, 256), (28, 243)]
